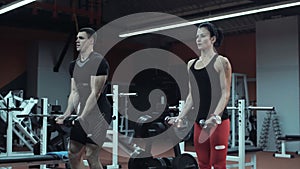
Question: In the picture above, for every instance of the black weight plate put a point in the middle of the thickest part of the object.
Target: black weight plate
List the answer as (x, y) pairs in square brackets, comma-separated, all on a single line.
[(185, 161), (157, 163), (168, 161), (140, 161)]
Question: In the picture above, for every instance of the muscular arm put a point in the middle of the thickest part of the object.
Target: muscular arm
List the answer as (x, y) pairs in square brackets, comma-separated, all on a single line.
[(189, 100), (224, 68), (97, 84), (72, 102), (73, 98)]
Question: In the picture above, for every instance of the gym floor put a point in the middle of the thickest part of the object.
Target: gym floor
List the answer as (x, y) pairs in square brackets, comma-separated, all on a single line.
[(265, 160)]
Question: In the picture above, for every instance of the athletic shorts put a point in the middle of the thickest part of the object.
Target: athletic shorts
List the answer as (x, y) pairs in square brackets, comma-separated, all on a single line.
[(78, 134)]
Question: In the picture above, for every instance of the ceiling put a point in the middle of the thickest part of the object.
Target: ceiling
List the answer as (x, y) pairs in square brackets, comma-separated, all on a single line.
[(66, 15)]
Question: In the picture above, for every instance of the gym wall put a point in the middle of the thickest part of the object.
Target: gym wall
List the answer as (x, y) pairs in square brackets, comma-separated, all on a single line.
[(52, 85), (277, 78), (34, 52), (28, 60), (41, 49)]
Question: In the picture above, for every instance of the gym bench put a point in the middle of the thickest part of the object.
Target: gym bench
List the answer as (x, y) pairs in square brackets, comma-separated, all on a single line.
[(30, 160), (283, 140)]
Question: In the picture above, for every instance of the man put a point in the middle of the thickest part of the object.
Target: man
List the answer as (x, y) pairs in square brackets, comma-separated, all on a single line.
[(87, 98)]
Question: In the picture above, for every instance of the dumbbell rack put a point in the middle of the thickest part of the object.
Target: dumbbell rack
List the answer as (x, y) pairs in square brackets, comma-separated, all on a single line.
[(270, 120)]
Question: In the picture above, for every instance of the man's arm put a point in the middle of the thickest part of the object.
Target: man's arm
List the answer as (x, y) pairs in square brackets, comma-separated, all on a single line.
[(72, 102), (97, 84)]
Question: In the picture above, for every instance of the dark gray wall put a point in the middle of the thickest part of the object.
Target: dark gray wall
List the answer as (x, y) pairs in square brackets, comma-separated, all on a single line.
[(43, 81)]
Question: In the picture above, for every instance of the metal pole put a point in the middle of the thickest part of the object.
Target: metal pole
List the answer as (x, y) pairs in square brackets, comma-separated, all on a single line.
[(9, 134), (115, 132), (241, 129), (43, 137), (233, 111)]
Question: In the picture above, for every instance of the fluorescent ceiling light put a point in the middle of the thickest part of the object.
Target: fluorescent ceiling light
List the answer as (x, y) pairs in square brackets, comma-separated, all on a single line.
[(213, 18), (14, 5)]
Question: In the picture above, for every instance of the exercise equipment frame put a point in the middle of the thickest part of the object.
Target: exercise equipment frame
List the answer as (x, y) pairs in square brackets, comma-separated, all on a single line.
[(241, 157)]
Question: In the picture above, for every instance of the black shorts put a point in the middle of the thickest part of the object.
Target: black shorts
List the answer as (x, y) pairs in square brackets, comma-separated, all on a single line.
[(78, 134)]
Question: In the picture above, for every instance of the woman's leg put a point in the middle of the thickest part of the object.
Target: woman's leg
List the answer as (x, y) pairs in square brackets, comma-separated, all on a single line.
[(202, 148), (219, 145)]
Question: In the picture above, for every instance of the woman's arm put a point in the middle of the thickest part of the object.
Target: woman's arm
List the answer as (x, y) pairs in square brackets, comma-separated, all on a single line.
[(188, 102), (224, 68)]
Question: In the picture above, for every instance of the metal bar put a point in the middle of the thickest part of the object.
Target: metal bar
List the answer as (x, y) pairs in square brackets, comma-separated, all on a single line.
[(231, 108), (123, 94), (19, 164), (41, 115), (43, 137), (260, 108), (26, 142), (252, 108), (241, 129), (115, 139), (128, 94), (233, 84), (9, 134)]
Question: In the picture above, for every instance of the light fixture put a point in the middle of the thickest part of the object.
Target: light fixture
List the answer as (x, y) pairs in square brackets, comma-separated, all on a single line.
[(214, 18), (14, 5)]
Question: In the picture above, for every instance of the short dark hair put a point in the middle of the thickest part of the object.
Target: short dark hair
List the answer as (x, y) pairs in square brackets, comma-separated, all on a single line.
[(214, 31), (90, 32)]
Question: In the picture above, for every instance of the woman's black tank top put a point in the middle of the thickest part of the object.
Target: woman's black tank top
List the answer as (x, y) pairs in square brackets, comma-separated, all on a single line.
[(206, 90)]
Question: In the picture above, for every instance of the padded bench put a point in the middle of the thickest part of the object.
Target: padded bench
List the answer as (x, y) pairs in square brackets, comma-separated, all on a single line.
[(28, 160), (283, 140)]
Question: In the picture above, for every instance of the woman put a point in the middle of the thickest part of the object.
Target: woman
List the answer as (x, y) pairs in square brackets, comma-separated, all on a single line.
[(209, 92)]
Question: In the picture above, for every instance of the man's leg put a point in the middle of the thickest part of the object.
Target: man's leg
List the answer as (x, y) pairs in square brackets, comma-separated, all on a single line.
[(75, 153), (92, 155)]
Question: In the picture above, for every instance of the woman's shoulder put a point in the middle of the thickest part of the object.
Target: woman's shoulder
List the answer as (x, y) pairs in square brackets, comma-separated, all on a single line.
[(223, 62), (222, 59)]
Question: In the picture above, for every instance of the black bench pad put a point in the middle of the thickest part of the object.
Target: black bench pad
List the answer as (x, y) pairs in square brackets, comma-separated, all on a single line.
[(289, 138)]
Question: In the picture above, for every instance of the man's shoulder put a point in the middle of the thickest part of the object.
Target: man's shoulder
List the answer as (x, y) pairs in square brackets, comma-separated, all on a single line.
[(98, 56)]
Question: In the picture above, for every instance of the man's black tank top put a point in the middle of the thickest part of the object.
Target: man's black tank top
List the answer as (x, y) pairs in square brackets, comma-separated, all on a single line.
[(206, 90)]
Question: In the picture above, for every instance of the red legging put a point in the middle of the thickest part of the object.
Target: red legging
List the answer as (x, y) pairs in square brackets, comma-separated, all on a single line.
[(211, 147)]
